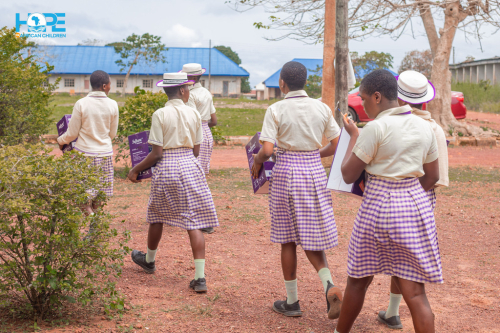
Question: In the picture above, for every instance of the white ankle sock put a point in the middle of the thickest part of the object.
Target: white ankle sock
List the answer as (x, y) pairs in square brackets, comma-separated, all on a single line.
[(150, 256), (393, 309), (291, 291), (199, 265), (325, 276)]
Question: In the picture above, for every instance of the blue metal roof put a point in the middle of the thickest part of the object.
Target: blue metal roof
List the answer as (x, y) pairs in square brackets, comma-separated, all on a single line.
[(79, 59), (311, 65)]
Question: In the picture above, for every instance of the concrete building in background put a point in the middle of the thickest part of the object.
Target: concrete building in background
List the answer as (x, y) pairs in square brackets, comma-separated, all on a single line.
[(74, 64), (477, 71)]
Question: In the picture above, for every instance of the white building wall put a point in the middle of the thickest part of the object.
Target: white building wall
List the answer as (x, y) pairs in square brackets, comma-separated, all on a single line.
[(217, 83)]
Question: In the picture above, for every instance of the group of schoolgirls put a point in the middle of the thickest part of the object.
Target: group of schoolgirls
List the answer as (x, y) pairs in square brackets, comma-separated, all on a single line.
[(394, 231)]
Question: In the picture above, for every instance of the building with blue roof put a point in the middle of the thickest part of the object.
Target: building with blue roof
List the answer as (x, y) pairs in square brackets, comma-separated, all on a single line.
[(74, 64), (272, 90)]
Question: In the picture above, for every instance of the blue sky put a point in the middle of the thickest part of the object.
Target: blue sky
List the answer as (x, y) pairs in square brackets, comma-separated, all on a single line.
[(188, 23)]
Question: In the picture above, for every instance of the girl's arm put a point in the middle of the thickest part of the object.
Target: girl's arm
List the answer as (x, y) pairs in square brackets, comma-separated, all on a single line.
[(153, 157), (213, 120), (352, 166), (196, 150), (431, 176), (329, 149), (263, 155)]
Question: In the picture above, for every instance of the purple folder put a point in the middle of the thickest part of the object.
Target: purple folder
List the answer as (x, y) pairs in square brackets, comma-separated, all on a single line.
[(62, 127), (139, 149), (261, 184)]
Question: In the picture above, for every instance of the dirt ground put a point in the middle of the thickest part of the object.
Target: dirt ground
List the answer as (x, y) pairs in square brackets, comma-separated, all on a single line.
[(490, 120), (243, 266)]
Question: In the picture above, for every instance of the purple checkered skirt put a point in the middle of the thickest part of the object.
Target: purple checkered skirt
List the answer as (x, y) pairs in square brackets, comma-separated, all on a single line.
[(106, 165), (432, 198), (180, 195), (206, 148), (300, 205), (395, 233)]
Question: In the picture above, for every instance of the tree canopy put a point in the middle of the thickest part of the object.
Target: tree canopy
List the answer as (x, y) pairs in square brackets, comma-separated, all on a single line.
[(420, 61), (228, 52)]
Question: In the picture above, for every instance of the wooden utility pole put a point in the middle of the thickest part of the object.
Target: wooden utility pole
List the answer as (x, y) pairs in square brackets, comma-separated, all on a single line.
[(328, 87), (341, 59)]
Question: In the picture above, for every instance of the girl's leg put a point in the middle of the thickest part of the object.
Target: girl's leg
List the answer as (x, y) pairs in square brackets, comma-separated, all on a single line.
[(154, 235), (317, 259), (290, 307), (197, 240), (354, 297), (420, 309), (289, 261), (197, 243), (333, 294)]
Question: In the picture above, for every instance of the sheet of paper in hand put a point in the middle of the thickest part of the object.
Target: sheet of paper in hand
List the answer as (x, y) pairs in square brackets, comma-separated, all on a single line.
[(335, 179), (261, 184), (139, 149), (62, 127)]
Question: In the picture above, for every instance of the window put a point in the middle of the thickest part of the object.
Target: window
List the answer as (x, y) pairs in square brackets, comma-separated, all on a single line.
[(147, 83), (69, 82), (202, 83), (45, 83), (120, 83)]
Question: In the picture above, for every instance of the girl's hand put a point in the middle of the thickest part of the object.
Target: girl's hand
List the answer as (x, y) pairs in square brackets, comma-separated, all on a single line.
[(132, 175), (255, 167), (350, 126)]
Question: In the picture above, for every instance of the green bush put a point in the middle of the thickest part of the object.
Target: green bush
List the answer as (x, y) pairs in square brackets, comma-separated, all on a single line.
[(24, 101), (479, 97), (218, 134), (135, 117), (47, 256)]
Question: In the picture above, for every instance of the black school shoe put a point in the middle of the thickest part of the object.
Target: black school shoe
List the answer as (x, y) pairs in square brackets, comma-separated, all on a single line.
[(333, 301), (139, 258), (393, 322), (289, 310), (208, 230), (200, 285)]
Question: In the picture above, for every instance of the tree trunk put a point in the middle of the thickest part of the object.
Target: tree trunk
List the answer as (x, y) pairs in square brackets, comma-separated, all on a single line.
[(328, 86), (126, 80), (128, 73), (341, 60), (440, 107)]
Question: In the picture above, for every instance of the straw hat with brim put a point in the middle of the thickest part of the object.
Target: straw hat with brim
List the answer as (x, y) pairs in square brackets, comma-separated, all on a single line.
[(174, 80), (193, 69), (414, 88)]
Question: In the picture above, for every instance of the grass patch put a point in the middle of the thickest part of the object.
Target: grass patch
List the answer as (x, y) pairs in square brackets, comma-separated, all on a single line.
[(122, 172), (481, 96), (474, 174), (244, 100), (233, 122)]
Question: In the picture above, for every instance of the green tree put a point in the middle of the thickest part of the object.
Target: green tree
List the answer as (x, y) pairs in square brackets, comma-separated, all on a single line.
[(314, 83), (136, 116), (24, 90), (134, 49), (369, 62), (47, 257), (228, 52)]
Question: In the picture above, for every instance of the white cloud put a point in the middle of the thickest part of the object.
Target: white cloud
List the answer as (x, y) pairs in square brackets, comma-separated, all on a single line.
[(182, 35)]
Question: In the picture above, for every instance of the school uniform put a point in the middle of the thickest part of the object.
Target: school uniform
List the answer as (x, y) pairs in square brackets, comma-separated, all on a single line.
[(442, 150), (395, 232), (201, 100), (299, 203), (94, 122), (180, 195)]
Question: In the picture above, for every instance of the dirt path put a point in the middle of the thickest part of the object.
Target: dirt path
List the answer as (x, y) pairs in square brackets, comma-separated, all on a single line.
[(491, 120), (244, 275)]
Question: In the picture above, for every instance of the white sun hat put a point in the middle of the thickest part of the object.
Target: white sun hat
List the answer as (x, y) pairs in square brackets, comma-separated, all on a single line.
[(174, 80), (414, 88), (193, 69)]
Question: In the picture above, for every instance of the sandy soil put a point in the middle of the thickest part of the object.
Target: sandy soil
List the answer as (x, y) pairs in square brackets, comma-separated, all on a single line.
[(243, 266), (490, 120)]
